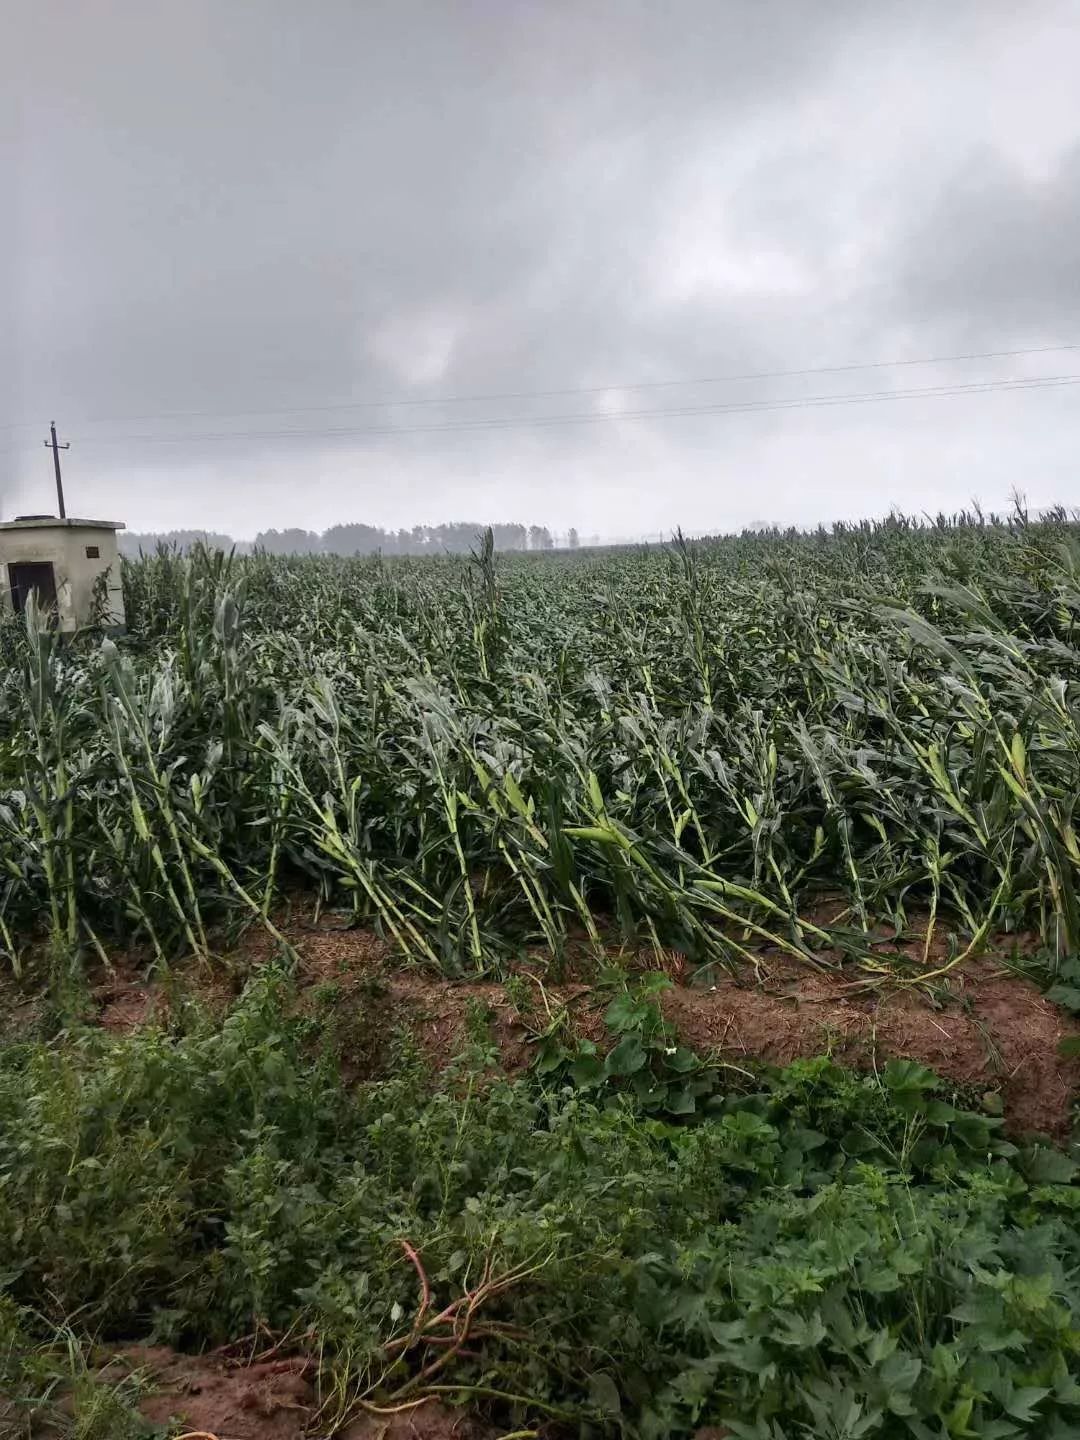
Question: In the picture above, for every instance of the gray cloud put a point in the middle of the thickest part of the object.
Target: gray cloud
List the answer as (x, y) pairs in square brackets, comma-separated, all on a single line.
[(223, 210), (1000, 248)]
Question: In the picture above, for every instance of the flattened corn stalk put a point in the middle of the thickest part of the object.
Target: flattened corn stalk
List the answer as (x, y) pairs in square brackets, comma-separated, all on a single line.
[(683, 749)]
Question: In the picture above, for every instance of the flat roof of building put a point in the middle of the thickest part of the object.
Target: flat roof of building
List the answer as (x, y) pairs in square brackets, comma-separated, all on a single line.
[(52, 522)]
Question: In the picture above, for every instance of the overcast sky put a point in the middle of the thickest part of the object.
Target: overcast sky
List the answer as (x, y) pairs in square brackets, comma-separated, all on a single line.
[(263, 210)]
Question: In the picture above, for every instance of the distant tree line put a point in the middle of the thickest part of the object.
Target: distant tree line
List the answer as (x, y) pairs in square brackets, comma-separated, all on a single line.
[(457, 538), (132, 542)]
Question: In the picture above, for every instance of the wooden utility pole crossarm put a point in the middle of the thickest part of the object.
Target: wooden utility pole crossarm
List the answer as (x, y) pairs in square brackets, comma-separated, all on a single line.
[(55, 447)]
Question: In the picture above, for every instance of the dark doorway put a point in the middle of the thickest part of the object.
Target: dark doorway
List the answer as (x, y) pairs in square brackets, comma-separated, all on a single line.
[(32, 575)]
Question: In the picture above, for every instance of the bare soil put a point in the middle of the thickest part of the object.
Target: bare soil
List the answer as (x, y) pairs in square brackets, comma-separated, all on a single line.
[(223, 1397), (995, 1031), (272, 1400), (984, 1026)]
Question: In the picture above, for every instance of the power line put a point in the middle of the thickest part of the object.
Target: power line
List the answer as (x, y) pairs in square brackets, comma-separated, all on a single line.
[(498, 396), (1040, 382)]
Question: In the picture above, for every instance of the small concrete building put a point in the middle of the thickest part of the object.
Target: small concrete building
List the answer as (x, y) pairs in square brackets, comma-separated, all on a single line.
[(63, 561)]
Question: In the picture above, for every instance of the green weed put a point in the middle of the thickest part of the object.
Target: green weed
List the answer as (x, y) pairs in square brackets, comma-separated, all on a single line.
[(805, 1243)]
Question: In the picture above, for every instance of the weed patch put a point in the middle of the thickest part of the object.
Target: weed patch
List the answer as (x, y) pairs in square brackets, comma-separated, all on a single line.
[(805, 1249)]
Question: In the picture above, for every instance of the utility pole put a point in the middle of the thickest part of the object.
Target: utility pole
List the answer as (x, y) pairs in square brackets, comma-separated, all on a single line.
[(55, 448)]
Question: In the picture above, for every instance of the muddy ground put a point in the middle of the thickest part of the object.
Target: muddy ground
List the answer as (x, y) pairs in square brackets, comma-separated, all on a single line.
[(238, 1396), (235, 1398)]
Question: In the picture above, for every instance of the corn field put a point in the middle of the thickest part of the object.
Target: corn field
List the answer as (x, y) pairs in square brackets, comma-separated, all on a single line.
[(690, 746)]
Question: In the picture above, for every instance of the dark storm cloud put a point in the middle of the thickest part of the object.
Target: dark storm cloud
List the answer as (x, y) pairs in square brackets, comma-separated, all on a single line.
[(248, 202), (999, 248), (247, 207)]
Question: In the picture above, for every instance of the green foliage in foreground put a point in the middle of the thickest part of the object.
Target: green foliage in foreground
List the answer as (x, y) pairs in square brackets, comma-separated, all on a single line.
[(685, 746), (819, 1254)]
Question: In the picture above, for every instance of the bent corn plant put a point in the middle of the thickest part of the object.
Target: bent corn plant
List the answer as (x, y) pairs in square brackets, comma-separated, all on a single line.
[(688, 746)]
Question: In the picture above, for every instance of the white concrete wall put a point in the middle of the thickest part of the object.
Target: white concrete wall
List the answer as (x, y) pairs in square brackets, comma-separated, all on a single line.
[(64, 547)]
